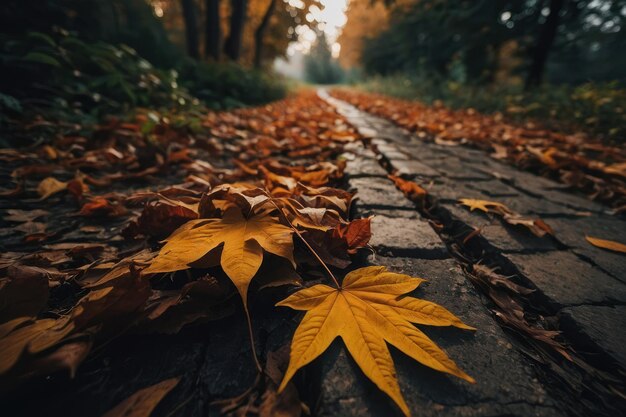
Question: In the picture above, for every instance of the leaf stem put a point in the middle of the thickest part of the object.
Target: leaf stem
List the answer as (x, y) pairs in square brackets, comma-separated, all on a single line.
[(254, 355), (330, 273)]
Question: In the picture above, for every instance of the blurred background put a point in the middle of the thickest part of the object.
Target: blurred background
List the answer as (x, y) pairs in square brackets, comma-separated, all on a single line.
[(561, 62)]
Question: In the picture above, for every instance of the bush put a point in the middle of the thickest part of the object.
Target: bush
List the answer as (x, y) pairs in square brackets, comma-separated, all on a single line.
[(61, 73), (228, 85)]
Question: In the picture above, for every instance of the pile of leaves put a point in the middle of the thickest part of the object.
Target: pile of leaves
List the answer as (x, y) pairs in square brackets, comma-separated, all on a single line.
[(584, 164), (170, 220)]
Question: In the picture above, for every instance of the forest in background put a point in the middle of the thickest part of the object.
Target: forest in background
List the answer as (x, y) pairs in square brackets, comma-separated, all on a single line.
[(78, 60), (558, 61)]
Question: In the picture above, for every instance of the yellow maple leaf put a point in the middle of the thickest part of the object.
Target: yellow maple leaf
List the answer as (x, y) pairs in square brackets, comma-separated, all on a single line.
[(484, 205), (244, 240), (367, 313)]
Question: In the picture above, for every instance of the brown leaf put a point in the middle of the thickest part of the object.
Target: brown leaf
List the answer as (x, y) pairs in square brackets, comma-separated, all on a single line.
[(24, 292), (144, 401), (356, 234), (410, 189)]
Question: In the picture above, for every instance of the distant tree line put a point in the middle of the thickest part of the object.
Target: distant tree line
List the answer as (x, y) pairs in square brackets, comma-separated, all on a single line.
[(477, 41)]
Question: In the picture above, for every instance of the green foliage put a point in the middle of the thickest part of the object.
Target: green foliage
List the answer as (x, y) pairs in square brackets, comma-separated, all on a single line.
[(62, 78), (228, 85), (595, 108), (129, 22), (61, 73), (319, 65), (470, 41)]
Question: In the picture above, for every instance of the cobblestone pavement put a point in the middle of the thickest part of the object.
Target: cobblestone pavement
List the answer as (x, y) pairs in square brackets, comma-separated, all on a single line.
[(578, 290)]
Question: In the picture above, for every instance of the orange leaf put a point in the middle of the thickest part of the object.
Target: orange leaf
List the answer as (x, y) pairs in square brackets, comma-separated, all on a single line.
[(606, 244)]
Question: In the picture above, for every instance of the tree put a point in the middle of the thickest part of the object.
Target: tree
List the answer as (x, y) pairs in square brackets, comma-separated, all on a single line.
[(319, 65), (260, 33), (191, 28), (213, 32), (232, 47), (545, 40)]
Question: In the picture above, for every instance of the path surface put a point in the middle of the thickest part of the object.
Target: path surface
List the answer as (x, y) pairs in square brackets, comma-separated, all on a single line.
[(550, 312), (579, 290)]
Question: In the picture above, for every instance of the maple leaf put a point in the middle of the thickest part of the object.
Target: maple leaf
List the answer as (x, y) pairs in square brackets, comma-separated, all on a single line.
[(367, 313), (484, 205), (243, 240)]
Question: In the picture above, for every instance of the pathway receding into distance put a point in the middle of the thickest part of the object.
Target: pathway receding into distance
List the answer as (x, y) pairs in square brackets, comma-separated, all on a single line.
[(573, 288)]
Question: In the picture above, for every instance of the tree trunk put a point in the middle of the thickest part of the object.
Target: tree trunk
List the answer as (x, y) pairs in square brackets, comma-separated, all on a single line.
[(544, 44), (213, 31), (260, 33), (232, 47), (191, 28)]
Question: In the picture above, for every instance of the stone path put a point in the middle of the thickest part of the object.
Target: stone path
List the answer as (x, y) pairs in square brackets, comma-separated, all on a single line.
[(579, 290)]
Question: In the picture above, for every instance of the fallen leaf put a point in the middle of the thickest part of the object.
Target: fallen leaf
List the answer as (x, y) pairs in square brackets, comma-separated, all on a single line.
[(243, 240), (144, 401), (606, 244), (14, 343), (367, 313), (410, 189), (484, 205), (356, 234), (536, 226), (50, 186)]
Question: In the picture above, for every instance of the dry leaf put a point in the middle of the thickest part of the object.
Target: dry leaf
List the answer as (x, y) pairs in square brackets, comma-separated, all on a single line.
[(536, 226), (243, 239), (356, 234), (606, 244), (367, 313), (484, 205), (50, 186), (144, 401), (410, 189)]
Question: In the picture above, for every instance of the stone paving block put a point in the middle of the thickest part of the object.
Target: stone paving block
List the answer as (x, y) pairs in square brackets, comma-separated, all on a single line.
[(567, 280), (573, 201), (406, 237), (424, 152), (494, 188), (454, 168), (572, 233), (412, 168), (364, 167), (525, 204), (450, 190), (379, 192), (604, 326), (506, 384)]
